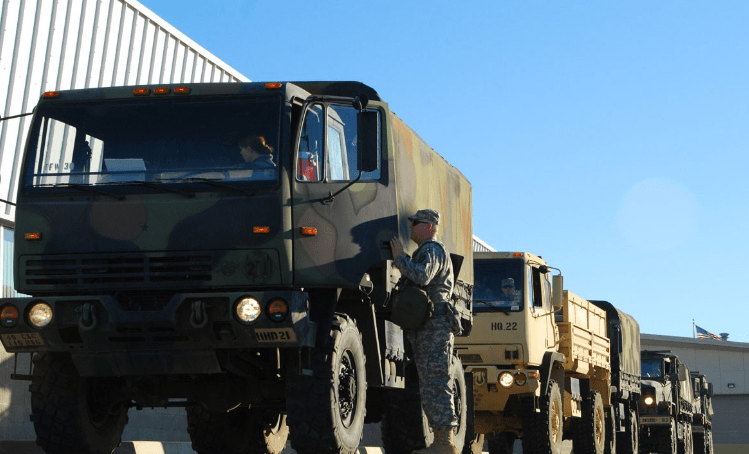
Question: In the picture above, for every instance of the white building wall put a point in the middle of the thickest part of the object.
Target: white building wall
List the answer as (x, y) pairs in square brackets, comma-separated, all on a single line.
[(49, 45)]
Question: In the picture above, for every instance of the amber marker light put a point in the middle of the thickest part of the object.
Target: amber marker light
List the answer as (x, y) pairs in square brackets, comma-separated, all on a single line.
[(277, 310), (161, 91), (9, 316), (311, 231), (32, 236), (517, 254), (273, 85), (182, 91), (51, 94), (141, 91), (261, 230)]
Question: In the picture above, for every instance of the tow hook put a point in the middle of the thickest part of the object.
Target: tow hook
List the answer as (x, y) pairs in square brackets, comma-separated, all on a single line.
[(88, 321), (198, 317)]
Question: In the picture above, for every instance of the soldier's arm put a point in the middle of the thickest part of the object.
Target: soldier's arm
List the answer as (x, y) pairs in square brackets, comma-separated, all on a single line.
[(422, 268)]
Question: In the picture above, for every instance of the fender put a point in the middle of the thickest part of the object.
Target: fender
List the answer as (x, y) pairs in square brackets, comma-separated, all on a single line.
[(551, 369)]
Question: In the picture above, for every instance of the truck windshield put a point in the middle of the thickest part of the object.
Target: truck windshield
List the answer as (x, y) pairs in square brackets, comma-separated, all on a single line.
[(498, 285), (651, 368), (154, 141)]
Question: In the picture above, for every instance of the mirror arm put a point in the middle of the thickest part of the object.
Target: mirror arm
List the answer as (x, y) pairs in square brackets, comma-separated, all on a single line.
[(329, 199)]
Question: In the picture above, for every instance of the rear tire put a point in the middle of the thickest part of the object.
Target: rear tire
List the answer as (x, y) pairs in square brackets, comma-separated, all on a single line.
[(240, 431), (74, 414), (590, 431), (629, 441), (326, 410), (686, 446)]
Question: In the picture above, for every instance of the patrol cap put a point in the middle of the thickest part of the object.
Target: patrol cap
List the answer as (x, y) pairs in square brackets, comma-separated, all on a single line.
[(427, 215), (508, 282)]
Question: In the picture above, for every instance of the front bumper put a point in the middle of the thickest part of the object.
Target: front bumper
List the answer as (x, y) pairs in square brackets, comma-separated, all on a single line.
[(106, 337)]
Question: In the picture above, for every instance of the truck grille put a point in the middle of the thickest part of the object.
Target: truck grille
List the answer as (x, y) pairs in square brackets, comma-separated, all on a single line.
[(116, 271)]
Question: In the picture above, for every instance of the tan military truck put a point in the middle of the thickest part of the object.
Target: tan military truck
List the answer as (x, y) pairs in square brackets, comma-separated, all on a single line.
[(540, 360)]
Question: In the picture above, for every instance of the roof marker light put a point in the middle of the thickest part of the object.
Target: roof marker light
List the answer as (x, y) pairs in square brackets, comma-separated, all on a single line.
[(51, 94), (273, 85), (182, 91), (311, 231), (161, 91), (261, 229), (32, 236), (141, 91)]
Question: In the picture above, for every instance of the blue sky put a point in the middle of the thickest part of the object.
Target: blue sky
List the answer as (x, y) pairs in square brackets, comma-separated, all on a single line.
[(609, 137)]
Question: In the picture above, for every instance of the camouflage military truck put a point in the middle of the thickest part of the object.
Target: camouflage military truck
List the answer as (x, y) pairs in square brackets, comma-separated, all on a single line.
[(540, 360), (623, 332), (666, 405), (166, 268), (702, 422)]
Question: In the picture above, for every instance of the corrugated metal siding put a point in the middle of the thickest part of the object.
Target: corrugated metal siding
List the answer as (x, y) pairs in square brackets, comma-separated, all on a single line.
[(56, 45), (480, 245)]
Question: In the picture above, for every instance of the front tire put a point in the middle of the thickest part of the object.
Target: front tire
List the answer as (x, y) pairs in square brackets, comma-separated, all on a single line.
[(240, 431), (74, 414), (542, 432), (326, 410), (667, 440)]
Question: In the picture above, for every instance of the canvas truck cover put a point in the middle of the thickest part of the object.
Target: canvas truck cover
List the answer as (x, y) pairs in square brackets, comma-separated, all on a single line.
[(624, 333), (424, 179)]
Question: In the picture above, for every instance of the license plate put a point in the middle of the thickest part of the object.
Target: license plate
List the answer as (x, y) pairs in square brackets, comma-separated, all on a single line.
[(655, 420), (22, 340), (275, 335)]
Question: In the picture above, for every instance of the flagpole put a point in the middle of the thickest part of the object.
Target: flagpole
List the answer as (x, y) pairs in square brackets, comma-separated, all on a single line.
[(694, 330)]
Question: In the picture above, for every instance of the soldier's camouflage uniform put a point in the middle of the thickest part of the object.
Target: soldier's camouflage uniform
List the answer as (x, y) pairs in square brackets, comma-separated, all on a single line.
[(431, 269)]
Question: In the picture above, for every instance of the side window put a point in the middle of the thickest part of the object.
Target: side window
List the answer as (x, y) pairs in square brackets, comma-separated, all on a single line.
[(538, 294), (310, 143), (66, 155), (546, 282), (337, 160)]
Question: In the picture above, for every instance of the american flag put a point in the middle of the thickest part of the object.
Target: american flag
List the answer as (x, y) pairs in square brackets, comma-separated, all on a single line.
[(704, 334)]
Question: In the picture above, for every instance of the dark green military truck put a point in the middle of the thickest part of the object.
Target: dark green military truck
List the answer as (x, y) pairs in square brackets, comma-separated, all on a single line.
[(666, 404), (702, 422), (166, 269)]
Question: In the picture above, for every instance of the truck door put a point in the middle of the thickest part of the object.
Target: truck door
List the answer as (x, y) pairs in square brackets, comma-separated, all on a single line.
[(339, 227)]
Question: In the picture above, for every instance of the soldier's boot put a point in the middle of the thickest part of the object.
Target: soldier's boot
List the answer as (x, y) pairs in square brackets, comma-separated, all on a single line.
[(444, 443)]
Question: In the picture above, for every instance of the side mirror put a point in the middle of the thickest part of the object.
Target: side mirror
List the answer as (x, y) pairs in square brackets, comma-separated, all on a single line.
[(367, 141), (710, 389), (682, 372), (557, 285)]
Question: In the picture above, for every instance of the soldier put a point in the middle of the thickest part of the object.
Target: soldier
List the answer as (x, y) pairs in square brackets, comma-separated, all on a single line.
[(431, 269), (509, 293), (256, 153)]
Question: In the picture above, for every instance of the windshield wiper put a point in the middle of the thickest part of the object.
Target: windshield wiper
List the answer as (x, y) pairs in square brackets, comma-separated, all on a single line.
[(161, 187), (86, 187), (209, 181), (492, 305)]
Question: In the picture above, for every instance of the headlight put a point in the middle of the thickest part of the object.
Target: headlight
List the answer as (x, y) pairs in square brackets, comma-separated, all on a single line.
[(248, 309), (649, 400), (9, 316), (520, 379), (506, 379), (40, 315), (277, 310)]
